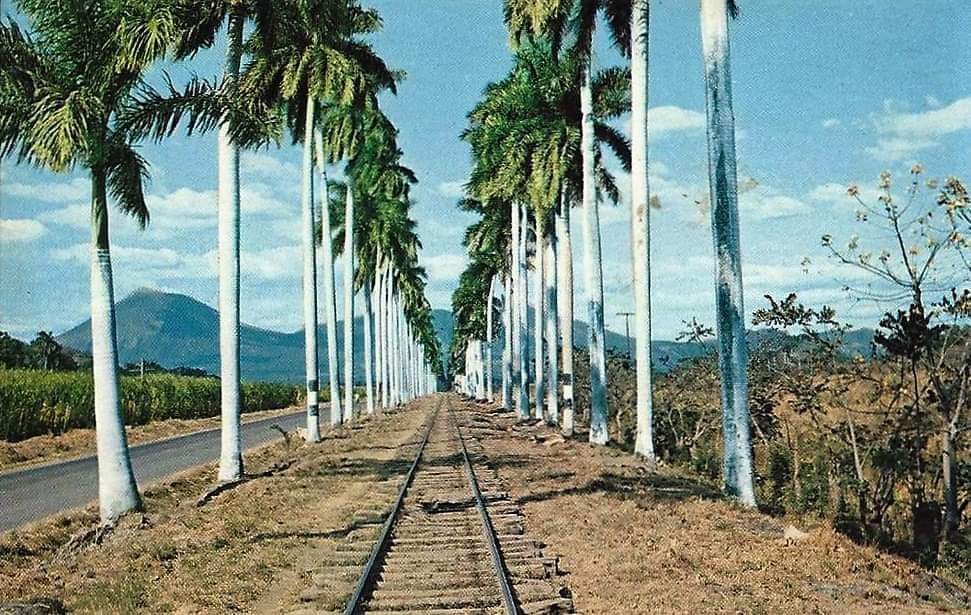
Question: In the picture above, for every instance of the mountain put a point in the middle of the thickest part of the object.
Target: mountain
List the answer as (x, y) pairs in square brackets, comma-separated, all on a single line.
[(178, 331)]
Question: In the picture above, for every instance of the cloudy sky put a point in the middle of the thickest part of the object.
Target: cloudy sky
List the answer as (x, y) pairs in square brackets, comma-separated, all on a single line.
[(827, 94)]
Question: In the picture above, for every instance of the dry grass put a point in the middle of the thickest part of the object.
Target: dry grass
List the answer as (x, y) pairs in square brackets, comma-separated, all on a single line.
[(252, 549), (629, 540), (79, 442), (635, 541)]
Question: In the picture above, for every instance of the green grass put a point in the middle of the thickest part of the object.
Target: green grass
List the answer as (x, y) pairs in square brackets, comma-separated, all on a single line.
[(36, 402)]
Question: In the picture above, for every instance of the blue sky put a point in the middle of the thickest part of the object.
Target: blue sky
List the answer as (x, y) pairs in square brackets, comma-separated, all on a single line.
[(827, 94)]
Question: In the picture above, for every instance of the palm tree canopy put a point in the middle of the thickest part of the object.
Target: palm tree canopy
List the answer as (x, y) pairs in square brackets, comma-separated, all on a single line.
[(525, 133), (68, 87)]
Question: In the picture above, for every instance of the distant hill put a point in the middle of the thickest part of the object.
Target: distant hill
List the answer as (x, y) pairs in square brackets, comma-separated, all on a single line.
[(178, 331), (174, 330)]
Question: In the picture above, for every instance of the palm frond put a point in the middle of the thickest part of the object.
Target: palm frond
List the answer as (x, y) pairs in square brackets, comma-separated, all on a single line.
[(127, 175)]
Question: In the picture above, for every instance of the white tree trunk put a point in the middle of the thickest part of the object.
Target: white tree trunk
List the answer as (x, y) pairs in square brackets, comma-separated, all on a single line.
[(349, 303), (330, 291), (488, 340), (730, 312), (117, 492), (377, 297), (368, 344), (507, 336), (518, 349), (386, 393), (523, 312), (593, 270), (539, 365), (640, 223), (552, 332), (310, 279), (564, 304), (231, 451)]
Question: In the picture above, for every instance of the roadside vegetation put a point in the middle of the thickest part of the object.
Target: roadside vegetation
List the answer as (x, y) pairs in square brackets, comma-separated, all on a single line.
[(36, 402)]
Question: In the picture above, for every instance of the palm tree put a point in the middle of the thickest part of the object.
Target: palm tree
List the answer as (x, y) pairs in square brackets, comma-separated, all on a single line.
[(578, 18), (316, 59), (723, 187), (527, 138), (641, 230), (203, 21), (69, 92), (349, 301), (330, 302)]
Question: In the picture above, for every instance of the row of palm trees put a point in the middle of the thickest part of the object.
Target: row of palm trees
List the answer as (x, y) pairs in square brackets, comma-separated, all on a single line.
[(74, 94), (538, 140)]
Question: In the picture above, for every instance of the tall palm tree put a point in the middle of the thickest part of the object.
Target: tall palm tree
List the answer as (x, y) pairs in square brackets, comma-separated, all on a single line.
[(69, 91), (316, 59), (730, 311), (641, 229), (527, 138), (203, 21), (330, 302)]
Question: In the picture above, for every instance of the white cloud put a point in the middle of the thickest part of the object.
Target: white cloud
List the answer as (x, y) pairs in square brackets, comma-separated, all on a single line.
[(831, 123), (268, 166), (51, 192), (904, 134), (279, 263), (444, 267), (767, 203), (899, 148), (667, 119), (146, 264), (20, 230), (452, 189)]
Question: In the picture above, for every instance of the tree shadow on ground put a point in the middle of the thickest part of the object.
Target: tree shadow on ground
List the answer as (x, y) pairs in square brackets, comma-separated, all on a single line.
[(383, 469), (652, 488), (358, 524)]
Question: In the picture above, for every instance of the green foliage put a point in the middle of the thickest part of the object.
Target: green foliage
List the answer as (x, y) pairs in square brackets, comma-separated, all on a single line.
[(35, 402)]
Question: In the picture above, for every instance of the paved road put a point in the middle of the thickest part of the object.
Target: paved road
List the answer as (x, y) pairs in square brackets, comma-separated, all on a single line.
[(34, 493)]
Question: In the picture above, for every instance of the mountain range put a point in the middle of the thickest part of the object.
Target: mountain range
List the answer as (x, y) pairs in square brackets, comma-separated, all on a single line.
[(175, 330)]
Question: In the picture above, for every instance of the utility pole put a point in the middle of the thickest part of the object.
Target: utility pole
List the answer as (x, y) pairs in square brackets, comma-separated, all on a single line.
[(627, 316)]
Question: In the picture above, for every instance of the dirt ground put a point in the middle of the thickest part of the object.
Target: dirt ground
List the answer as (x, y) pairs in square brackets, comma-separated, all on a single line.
[(628, 540), (79, 442), (251, 549), (634, 541)]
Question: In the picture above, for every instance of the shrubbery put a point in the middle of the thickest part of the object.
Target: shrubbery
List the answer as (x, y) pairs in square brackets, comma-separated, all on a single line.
[(34, 402)]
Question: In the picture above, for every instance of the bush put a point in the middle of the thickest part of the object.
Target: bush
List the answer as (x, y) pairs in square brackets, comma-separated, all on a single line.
[(34, 402)]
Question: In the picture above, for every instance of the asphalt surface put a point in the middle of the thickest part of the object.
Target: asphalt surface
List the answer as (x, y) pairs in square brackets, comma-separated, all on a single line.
[(34, 493)]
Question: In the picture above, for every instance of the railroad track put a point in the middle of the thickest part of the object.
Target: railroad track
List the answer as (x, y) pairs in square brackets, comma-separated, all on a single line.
[(453, 542)]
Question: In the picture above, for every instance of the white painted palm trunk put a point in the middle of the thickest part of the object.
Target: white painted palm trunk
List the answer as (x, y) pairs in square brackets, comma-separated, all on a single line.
[(552, 334), (349, 304), (230, 451), (507, 342), (117, 492), (488, 340), (518, 349), (641, 229), (386, 391), (524, 311), (395, 355), (310, 281), (593, 271), (730, 312), (330, 296), (376, 319), (564, 305), (368, 345), (539, 366)]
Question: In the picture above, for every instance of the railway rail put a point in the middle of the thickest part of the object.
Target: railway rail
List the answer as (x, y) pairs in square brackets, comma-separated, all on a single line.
[(452, 541)]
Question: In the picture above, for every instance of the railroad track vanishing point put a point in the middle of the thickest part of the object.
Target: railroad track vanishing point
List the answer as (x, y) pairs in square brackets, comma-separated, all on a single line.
[(453, 542)]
